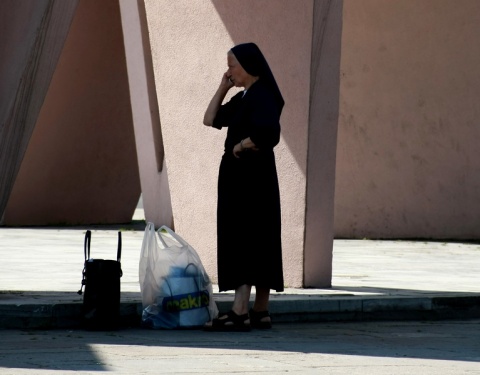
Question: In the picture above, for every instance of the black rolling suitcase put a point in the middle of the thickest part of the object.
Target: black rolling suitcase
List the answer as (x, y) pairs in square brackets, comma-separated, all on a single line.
[(101, 298)]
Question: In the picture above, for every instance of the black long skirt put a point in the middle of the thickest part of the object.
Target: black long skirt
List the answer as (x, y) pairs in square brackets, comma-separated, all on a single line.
[(249, 248)]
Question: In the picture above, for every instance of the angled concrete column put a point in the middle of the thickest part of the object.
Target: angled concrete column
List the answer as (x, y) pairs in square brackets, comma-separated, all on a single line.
[(146, 120), (322, 141), (32, 36), (80, 166)]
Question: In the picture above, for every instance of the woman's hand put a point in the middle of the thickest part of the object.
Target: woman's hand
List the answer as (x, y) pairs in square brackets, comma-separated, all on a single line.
[(242, 146), (216, 101), (237, 150), (226, 83)]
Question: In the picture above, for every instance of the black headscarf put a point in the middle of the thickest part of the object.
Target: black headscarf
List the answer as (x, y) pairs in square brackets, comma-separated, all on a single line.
[(252, 60)]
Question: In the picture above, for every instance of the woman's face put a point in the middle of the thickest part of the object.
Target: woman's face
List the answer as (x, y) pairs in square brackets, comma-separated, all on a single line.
[(236, 73)]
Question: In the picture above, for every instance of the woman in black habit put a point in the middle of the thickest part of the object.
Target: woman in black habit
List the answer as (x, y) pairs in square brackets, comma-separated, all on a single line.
[(249, 245)]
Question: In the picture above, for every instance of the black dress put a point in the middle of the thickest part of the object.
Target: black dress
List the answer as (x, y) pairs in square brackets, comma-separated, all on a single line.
[(249, 249)]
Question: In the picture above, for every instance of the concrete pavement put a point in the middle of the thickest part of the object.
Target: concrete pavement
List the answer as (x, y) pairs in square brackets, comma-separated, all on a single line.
[(351, 348), (40, 273)]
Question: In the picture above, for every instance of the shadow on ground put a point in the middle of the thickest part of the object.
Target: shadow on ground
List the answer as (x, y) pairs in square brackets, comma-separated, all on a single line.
[(76, 350)]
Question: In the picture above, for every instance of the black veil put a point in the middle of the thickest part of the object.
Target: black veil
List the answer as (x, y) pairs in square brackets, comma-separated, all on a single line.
[(252, 60)]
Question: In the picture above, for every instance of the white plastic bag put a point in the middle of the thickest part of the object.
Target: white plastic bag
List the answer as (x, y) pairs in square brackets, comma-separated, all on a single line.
[(176, 290)]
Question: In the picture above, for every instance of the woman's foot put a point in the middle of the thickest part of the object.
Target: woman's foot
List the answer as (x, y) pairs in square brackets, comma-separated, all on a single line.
[(229, 322), (260, 319)]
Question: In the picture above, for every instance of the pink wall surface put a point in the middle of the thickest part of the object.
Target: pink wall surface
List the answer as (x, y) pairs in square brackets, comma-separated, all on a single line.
[(407, 161), (81, 165)]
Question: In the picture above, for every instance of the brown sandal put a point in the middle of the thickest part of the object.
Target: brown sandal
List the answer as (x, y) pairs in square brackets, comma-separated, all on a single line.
[(232, 323)]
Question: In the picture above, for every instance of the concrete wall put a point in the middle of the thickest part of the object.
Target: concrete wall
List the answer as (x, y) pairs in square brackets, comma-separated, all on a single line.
[(407, 161)]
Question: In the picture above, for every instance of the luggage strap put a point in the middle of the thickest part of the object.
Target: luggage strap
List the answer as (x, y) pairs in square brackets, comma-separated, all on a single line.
[(88, 239)]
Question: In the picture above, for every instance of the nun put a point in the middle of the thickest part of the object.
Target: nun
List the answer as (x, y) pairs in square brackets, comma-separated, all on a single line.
[(249, 248)]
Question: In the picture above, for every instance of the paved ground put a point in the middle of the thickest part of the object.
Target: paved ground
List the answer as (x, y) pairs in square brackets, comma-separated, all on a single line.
[(373, 348), (51, 259), (389, 311), (40, 273)]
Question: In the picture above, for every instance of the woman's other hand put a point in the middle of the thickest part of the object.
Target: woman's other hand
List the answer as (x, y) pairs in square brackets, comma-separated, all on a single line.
[(242, 146), (237, 150)]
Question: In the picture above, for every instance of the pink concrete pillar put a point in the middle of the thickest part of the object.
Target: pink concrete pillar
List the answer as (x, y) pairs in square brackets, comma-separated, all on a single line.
[(189, 41), (322, 142), (146, 120)]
